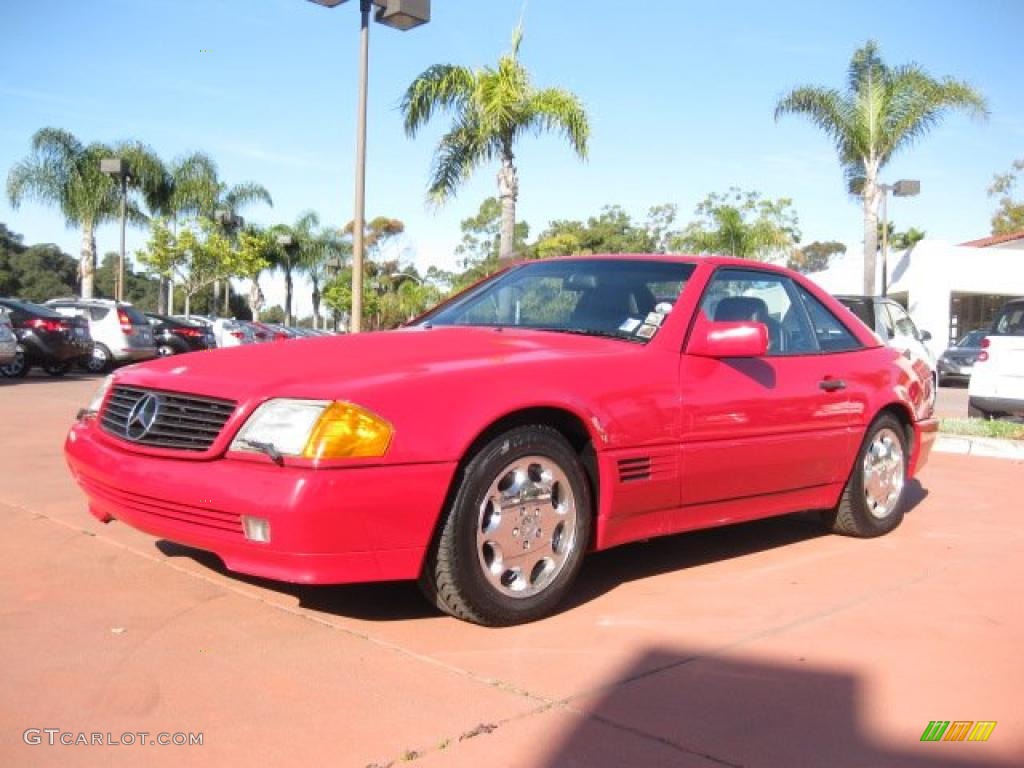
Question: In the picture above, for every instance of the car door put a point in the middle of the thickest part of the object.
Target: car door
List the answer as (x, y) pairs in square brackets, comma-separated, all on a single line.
[(773, 424), (907, 339)]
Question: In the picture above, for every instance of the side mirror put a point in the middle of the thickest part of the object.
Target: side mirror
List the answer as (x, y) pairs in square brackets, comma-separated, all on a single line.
[(925, 336), (729, 339)]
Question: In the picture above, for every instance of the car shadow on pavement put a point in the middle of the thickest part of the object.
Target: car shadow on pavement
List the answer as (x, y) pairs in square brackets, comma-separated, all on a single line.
[(602, 571), (679, 708)]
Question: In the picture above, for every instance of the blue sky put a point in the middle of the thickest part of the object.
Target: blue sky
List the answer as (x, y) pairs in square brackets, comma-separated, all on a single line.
[(680, 96)]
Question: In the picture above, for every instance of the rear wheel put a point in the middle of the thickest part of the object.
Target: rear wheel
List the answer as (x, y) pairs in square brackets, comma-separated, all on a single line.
[(165, 350), (17, 368), (100, 359), (57, 369), (513, 540), (872, 499), (975, 412)]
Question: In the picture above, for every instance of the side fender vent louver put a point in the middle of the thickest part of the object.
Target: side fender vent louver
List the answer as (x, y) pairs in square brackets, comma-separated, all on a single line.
[(632, 470)]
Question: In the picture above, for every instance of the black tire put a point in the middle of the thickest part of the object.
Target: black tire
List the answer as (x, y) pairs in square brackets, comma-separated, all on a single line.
[(57, 369), (974, 412), (18, 368), (853, 515), (100, 359), (453, 576), (166, 350)]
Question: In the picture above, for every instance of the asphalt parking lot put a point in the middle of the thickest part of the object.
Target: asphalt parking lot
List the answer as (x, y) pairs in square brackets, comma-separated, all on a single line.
[(766, 644)]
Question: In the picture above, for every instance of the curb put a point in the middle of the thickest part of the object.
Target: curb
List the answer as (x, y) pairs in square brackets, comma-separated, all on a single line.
[(980, 446)]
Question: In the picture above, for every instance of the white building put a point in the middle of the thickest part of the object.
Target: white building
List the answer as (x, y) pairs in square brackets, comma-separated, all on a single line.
[(948, 289)]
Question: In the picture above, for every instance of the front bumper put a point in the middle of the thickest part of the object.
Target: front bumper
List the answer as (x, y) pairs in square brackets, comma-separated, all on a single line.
[(328, 526), (133, 354)]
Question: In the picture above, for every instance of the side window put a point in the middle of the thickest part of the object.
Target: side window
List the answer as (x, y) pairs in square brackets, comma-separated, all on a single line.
[(885, 326), (98, 313), (761, 297), (831, 334), (901, 321)]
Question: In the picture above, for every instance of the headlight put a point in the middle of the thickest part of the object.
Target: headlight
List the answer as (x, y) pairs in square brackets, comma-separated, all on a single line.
[(314, 429), (97, 399)]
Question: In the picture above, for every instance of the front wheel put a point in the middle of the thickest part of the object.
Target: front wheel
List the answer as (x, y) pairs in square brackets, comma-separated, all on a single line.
[(513, 539), (17, 368), (871, 501)]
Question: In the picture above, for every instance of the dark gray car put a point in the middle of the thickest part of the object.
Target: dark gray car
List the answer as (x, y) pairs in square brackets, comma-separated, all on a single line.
[(957, 362)]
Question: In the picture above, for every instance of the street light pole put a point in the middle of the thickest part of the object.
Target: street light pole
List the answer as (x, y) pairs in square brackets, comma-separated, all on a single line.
[(359, 215), (902, 188), (117, 168), (398, 14)]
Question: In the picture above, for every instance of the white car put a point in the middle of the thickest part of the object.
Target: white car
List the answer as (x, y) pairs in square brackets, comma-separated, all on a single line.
[(893, 325), (997, 381), (227, 332), (8, 343), (120, 333)]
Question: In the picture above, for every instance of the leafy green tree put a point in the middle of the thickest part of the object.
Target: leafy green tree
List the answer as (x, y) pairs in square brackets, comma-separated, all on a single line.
[(612, 231), (491, 108), (1009, 217), (900, 241), (63, 172), (273, 315), (741, 224), (140, 289), (814, 257), (883, 110), (481, 242), (37, 272), (257, 248)]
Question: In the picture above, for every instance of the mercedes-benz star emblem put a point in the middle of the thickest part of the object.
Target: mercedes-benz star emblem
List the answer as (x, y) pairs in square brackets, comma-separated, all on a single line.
[(142, 417)]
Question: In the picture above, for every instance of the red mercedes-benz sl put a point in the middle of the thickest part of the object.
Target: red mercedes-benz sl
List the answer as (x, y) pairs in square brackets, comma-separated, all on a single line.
[(558, 407)]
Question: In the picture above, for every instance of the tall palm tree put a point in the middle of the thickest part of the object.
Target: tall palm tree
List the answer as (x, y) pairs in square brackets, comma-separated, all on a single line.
[(491, 108), (64, 172), (327, 250), (188, 183), (290, 259), (222, 204), (883, 110)]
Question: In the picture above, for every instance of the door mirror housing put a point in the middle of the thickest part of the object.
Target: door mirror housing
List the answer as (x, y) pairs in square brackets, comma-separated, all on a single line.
[(924, 336), (729, 339)]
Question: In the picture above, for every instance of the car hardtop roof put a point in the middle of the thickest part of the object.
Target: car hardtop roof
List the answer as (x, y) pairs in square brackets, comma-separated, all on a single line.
[(94, 302)]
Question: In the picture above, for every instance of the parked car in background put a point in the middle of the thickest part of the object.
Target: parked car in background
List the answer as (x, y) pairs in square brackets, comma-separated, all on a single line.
[(260, 333), (173, 337), (894, 326), (601, 400), (120, 333), (278, 332), (997, 381), (8, 342), (45, 338), (226, 332), (957, 362)]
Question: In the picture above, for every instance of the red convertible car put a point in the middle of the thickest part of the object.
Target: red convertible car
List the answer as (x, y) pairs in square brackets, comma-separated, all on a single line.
[(558, 407)]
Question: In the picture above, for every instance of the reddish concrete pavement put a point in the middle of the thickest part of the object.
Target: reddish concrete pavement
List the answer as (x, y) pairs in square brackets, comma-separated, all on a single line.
[(763, 644)]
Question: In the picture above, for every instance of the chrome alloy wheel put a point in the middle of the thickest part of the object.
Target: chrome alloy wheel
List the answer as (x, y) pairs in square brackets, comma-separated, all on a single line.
[(884, 473), (527, 526)]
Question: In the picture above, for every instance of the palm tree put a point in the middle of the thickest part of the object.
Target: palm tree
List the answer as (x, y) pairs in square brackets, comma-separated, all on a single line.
[(883, 110), (290, 258), (64, 172), (326, 250), (491, 108)]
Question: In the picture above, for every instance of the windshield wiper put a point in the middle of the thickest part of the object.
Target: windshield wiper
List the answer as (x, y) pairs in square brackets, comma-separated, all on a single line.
[(591, 332), (268, 448)]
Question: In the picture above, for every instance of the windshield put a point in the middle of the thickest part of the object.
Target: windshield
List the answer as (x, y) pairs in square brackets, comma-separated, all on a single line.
[(1010, 322), (626, 298), (972, 339)]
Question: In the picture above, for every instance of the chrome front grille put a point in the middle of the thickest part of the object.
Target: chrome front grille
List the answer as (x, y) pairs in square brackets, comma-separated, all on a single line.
[(165, 419)]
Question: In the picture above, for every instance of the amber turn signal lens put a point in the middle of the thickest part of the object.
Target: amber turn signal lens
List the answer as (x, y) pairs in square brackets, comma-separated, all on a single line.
[(347, 431)]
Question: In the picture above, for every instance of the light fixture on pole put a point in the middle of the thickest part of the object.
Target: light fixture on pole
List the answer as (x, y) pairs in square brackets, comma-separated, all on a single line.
[(398, 14), (117, 168), (902, 188)]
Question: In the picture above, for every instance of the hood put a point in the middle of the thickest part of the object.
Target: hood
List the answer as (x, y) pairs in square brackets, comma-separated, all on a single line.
[(335, 366)]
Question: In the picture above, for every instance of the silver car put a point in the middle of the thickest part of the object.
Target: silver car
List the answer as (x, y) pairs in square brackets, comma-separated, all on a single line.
[(8, 343), (227, 332), (120, 333)]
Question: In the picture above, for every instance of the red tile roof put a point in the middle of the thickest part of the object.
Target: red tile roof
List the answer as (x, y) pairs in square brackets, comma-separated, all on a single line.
[(985, 242)]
